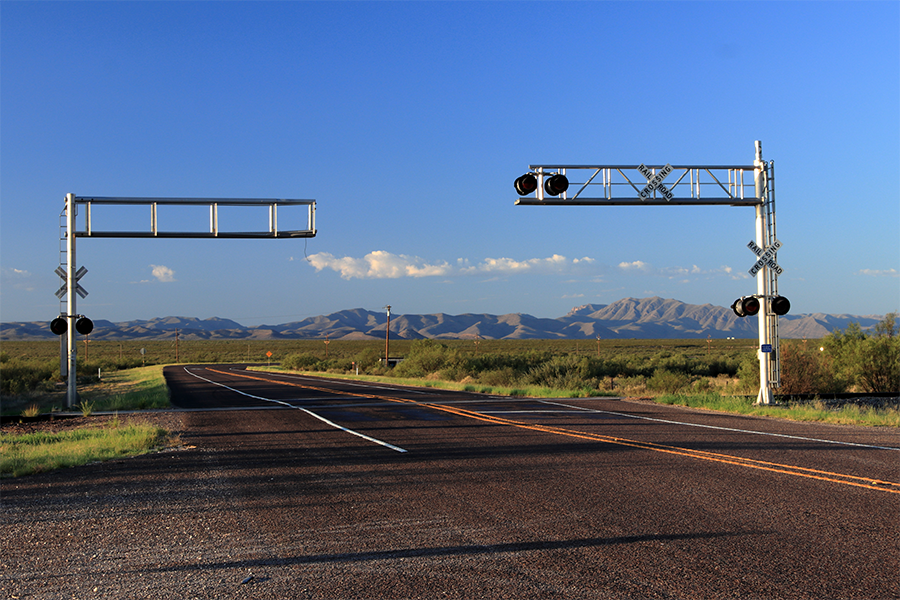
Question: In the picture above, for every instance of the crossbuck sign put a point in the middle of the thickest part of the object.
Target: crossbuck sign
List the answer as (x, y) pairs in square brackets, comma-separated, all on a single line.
[(766, 258), (654, 182), (81, 272)]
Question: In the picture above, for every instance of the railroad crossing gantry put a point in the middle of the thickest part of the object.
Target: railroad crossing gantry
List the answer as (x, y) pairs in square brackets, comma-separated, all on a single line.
[(704, 185), (70, 322)]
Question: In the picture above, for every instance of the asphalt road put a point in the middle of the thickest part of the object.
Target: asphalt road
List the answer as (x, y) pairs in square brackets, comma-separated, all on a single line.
[(316, 488)]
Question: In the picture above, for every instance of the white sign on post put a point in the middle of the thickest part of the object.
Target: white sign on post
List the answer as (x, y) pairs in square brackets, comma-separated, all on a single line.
[(766, 257), (654, 182)]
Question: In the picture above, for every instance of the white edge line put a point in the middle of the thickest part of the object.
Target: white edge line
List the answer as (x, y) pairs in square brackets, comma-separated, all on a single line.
[(783, 435), (309, 412)]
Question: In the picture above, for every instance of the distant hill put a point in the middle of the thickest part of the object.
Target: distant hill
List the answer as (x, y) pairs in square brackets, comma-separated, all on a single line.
[(646, 318)]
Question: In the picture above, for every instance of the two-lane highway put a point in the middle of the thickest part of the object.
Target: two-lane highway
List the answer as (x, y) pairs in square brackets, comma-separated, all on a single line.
[(490, 496), (288, 486)]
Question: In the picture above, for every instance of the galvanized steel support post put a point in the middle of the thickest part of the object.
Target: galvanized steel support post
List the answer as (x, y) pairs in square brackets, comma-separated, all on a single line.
[(762, 282), (71, 393)]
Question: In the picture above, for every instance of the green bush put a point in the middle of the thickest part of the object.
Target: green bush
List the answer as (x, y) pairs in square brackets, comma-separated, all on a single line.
[(748, 374), (562, 373), (869, 361), (669, 382), (18, 376), (502, 377), (425, 358), (300, 362), (807, 372), (366, 359)]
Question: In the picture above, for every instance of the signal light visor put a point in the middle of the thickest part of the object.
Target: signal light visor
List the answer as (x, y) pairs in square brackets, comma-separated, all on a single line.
[(526, 184), (556, 184)]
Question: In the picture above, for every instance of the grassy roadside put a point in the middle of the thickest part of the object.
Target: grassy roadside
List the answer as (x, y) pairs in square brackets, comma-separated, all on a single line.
[(812, 411), (38, 452), (142, 388), (133, 389)]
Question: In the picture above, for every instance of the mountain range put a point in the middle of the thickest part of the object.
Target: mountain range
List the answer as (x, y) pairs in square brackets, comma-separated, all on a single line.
[(645, 318)]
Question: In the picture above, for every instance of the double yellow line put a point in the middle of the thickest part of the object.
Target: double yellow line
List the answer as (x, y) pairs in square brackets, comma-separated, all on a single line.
[(852, 480)]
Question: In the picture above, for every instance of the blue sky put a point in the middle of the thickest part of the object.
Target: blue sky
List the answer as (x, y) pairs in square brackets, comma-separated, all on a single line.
[(408, 122)]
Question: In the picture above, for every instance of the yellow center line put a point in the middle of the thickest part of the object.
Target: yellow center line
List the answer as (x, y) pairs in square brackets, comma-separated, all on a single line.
[(852, 480)]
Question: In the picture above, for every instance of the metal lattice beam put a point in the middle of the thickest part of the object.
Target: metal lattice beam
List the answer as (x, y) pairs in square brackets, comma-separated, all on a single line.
[(626, 185), (213, 231)]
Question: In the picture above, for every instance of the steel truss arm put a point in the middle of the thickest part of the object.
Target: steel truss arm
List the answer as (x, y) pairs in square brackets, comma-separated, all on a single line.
[(625, 185), (214, 231), (68, 358)]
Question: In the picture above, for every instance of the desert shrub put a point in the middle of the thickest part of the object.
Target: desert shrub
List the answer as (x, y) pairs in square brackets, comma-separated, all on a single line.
[(301, 362), (748, 374), (425, 357), (454, 372), (634, 384), (367, 359), (870, 361), (807, 372), (18, 377), (566, 372), (519, 363), (335, 365), (669, 382), (721, 366), (702, 386), (503, 377)]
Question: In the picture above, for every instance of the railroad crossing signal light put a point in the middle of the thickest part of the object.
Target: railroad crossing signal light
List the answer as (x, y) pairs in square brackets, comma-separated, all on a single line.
[(84, 326), (746, 306), (556, 184), (780, 305), (526, 184), (59, 326)]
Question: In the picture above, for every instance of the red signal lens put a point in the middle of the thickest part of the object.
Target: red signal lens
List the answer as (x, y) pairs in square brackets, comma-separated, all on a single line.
[(556, 184), (84, 326), (780, 305), (526, 184), (59, 326), (746, 306)]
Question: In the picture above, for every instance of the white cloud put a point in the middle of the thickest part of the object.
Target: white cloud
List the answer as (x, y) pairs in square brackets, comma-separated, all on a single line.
[(509, 265), (880, 273), (17, 279), (13, 273), (384, 265), (637, 265), (685, 273), (163, 274), (378, 265)]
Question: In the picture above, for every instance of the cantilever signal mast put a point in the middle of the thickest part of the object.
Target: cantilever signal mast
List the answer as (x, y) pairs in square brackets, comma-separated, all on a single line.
[(70, 322), (685, 185)]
